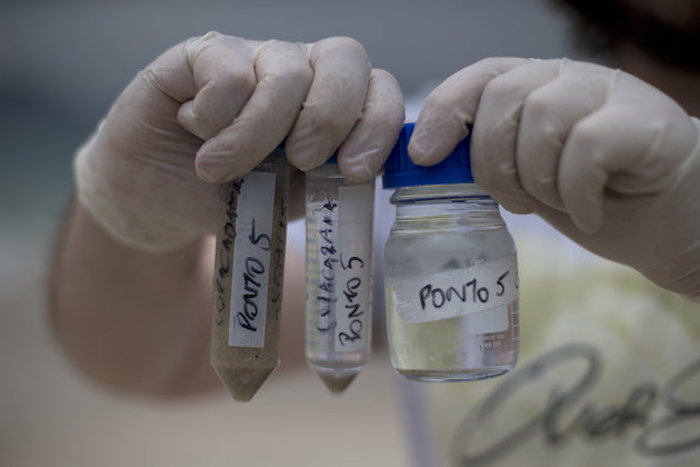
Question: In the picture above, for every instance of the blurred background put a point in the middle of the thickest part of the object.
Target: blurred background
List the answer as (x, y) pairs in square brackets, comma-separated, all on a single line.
[(61, 65)]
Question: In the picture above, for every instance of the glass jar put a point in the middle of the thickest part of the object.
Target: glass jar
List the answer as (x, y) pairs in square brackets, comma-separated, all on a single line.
[(339, 218), (450, 273)]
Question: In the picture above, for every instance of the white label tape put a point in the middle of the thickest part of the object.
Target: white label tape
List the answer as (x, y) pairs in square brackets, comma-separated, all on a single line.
[(251, 261), (355, 246), (457, 292)]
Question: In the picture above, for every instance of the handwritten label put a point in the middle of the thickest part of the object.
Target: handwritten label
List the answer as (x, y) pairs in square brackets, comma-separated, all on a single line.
[(251, 262), (457, 292), (226, 238), (327, 222), (354, 244), (344, 264)]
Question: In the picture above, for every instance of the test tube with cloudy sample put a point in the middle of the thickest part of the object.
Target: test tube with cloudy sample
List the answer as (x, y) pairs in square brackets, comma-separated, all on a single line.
[(339, 217)]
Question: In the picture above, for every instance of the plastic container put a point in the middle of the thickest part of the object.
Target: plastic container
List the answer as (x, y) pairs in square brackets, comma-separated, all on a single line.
[(248, 276), (339, 218)]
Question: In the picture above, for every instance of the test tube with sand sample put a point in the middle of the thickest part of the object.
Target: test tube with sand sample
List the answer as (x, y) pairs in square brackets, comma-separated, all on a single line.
[(248, 276)]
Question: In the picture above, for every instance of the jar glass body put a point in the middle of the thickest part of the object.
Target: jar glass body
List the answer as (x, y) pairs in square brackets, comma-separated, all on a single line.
[(449, 249)]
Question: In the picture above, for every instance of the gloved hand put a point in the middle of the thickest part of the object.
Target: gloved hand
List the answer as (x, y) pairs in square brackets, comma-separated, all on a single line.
[(209, 110), (609, 160)]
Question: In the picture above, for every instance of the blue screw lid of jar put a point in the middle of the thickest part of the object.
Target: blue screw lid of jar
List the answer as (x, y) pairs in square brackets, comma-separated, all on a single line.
[(333, 160), (399, 171)]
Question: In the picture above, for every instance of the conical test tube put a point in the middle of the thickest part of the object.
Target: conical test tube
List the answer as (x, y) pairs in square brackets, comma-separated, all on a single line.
[(339, 217), (248, 276)]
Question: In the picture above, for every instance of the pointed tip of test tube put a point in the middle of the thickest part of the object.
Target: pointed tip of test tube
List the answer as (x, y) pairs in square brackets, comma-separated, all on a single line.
[(337, 383), (242, 384)]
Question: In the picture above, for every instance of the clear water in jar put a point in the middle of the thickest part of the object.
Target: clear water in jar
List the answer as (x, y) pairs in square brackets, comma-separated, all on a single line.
[(469, 347)]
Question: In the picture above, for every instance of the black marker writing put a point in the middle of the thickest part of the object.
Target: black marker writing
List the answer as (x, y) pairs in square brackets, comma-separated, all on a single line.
[(351, 303), (328, 258), (252, 276), (431, 296), (568, 412), (226, 241)]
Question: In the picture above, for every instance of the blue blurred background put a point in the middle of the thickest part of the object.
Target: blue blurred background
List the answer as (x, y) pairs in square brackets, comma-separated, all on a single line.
[(61, 65)]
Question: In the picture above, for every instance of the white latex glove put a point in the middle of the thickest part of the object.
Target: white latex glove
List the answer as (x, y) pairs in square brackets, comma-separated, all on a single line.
[(609, 160), (210, 109)]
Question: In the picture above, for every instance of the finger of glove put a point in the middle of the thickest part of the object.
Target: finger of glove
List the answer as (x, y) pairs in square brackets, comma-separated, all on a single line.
[(224, 76), (363, 153), (613, 152), (171, 74), (333, 104), (442, 122), (496, 126), (155, 96), (284, 76), (666, 124), (547, 117)]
